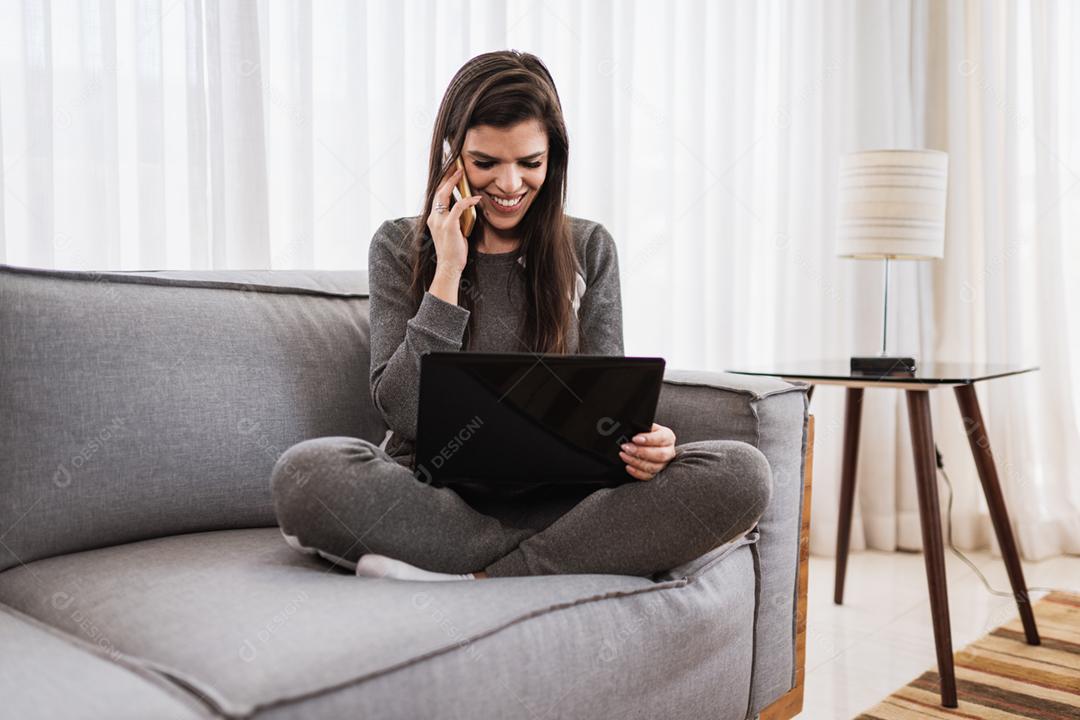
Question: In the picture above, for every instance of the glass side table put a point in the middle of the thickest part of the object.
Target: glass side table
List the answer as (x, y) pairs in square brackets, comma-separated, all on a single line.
[(961, 377)]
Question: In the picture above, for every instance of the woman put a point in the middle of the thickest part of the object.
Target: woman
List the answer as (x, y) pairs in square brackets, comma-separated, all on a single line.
[(529, 278)]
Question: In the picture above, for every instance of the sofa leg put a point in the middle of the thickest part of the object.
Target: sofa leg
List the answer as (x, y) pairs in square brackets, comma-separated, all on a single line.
[(790, 703)]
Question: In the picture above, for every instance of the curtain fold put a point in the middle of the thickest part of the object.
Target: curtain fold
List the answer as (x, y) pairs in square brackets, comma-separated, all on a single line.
[(705, 135), (1053, 523), (1001, 294), (38, 119)]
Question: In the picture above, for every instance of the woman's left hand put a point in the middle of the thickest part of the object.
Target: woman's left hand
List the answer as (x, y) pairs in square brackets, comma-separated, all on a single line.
[(649, 453)]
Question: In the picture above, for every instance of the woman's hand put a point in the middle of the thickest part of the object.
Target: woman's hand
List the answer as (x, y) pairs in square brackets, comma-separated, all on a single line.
[(649, 453), (451, 247)]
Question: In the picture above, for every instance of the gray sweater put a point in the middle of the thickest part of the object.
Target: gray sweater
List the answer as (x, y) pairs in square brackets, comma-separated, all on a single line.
[(400, 333)]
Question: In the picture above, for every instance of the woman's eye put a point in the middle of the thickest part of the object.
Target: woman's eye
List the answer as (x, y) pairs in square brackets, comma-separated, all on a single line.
[(486, 165)]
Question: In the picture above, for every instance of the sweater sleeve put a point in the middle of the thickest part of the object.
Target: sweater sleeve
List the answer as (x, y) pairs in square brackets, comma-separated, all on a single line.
[(398, 334), (600, 315)]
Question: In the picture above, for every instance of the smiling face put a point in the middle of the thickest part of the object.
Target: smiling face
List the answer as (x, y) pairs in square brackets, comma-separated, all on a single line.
[(507, 164)]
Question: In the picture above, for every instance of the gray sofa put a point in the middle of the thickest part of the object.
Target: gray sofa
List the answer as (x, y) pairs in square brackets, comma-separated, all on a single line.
[(142, 574)]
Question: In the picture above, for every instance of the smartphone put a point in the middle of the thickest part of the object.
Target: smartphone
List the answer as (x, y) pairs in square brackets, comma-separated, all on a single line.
[(462, 192)]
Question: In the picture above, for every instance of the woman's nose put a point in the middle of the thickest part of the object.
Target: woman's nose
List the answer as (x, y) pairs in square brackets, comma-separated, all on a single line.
[(508, 181)]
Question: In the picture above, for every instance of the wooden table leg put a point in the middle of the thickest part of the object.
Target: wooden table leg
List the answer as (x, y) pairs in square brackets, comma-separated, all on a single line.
[(995, 499), (922, 443), (852, 423)]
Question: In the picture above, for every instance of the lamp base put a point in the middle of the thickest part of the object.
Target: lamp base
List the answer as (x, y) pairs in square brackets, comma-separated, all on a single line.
[(882, 364)]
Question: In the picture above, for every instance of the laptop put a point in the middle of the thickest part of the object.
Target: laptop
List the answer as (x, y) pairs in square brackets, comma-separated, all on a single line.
[(508, 423)]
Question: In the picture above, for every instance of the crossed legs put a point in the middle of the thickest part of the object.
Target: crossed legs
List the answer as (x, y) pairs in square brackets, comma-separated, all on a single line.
[(343, 497)]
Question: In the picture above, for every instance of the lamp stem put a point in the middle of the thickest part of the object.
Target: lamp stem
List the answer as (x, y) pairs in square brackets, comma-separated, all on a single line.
[(885, 312)]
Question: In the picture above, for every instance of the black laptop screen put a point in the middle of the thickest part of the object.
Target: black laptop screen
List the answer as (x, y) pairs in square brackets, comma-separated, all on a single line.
[(506, 420)]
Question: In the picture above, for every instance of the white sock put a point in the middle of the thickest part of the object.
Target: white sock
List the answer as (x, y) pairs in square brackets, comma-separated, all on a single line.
[(380, 566), (294, 542)]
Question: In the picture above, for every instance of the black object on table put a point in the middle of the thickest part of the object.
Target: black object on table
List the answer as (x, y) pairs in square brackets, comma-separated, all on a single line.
[(961, 377)]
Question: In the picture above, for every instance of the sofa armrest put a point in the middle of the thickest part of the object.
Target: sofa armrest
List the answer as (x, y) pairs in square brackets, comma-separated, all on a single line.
[(710, 405), (771, 415)]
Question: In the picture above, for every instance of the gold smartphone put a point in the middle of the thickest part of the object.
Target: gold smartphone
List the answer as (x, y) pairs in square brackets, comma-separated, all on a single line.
[(462, 192)]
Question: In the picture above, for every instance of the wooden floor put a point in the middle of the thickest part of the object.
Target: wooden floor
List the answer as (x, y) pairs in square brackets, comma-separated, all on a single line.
[(881, 638)]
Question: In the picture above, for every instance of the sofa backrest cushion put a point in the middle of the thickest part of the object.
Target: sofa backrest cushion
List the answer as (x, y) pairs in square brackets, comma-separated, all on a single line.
[(140, 405)]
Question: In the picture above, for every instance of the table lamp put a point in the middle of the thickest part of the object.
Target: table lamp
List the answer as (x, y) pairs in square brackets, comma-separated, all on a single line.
[(892, 207)]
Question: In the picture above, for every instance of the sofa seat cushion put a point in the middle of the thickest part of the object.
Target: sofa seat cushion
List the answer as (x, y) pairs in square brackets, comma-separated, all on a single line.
[(46, 673), (255, 628)]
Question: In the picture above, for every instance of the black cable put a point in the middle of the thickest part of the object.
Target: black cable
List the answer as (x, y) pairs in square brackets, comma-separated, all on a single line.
[(949, 541)]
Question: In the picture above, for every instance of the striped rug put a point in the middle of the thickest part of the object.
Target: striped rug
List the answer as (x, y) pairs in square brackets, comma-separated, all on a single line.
[(1001, 677)]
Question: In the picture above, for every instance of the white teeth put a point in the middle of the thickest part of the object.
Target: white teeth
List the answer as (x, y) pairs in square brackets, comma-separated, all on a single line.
[(507, 203)]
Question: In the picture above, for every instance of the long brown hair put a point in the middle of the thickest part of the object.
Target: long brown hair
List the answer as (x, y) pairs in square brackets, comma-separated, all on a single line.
[(501, 89)]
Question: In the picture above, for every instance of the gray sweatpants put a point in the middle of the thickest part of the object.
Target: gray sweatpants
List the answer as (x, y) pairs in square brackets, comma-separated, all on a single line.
[(343, 497)]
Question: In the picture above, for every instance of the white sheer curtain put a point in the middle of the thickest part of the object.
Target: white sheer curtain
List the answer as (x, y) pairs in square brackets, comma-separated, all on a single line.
[(1002, 86), (705, 135)]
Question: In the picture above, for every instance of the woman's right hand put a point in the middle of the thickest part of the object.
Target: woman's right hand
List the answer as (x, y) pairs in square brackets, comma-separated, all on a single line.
[(451, 247)]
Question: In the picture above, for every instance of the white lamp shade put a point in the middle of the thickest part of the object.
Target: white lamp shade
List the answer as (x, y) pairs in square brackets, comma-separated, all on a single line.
[(892, 204)]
